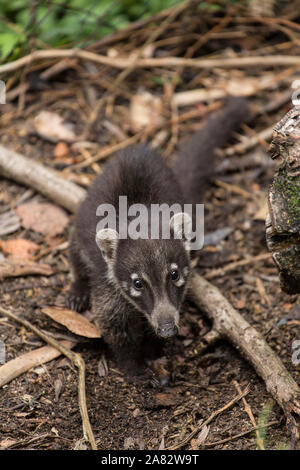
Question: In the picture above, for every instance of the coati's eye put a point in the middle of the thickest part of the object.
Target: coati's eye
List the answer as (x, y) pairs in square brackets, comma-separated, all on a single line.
[(138, 284), (174, 275)]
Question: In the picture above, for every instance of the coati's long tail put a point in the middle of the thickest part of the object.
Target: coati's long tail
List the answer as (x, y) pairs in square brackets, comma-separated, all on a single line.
[(195, 162)]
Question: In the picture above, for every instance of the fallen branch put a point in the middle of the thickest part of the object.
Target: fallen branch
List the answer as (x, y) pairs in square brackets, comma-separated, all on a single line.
[(124, 63), (21, 364), (30, 173), (76, 359), (232, 326)]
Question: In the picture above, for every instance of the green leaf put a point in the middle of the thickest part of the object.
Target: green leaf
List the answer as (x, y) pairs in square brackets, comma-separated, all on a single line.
[(8, 41)]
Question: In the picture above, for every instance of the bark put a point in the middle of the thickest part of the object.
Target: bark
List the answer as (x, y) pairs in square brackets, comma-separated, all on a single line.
[(283, 219)]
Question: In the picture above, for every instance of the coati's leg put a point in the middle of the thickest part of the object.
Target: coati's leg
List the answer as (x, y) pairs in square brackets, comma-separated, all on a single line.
[(152, 346), (135, 370), (78, 297), (124, 330), (127, 346)]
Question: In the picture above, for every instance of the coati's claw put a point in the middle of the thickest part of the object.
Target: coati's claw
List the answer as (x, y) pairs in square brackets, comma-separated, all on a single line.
[(145, 379), (77, 300), (159, 370), (145, 376), (164, 381)]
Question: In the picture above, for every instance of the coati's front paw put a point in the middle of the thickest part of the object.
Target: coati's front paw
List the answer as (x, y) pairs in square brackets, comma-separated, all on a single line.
[(78, 298), (160, 372), (143, 377), (139, 373)]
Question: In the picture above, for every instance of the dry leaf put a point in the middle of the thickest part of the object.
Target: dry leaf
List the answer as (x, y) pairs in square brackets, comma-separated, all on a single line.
[(51, 126), (196, 443), (162, 444), (102, 366), (58, 387), (19, 249), (43, 217), (80, 445), (75, 322), (55, 431), (61, 150), (202, 435), (145, 111), (240, 304), (261, 214)]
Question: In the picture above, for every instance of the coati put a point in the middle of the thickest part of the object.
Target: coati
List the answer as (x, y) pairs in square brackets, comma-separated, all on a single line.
[(135, 287)]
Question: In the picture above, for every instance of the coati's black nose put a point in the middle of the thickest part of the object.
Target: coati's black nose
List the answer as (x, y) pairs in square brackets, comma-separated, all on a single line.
[(167, 330)]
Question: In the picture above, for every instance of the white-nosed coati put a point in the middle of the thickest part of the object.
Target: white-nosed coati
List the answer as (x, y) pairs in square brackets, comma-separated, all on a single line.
[(136, 286)]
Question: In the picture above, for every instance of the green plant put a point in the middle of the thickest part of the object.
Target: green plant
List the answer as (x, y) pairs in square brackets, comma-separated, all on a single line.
[(261, 436), (57, 23), (263, 418)]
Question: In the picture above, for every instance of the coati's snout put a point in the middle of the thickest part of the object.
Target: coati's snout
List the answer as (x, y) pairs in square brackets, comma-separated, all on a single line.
[(167, 329), (165, 319)]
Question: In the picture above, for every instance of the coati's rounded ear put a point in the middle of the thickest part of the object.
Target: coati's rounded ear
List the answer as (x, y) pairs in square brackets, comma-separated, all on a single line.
[(181, 226), (107, 241)]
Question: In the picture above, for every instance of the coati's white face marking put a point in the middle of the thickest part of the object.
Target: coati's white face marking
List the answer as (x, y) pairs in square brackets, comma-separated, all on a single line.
[(186, 271), (133, 291), (150, 274), (180, 281)]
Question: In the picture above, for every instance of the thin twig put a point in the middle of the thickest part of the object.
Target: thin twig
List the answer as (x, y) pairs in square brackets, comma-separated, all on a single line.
[(76, 359), (250, 142), (209, 419), (236, 264), (124, 63), (260, 443), (104, 153), (121, 77), (237, 436)]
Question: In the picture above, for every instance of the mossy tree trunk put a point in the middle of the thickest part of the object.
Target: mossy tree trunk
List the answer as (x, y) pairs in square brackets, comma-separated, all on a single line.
[(283, 219)]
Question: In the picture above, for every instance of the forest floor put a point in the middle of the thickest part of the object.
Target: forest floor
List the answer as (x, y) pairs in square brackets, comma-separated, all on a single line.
[(39, 409)]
